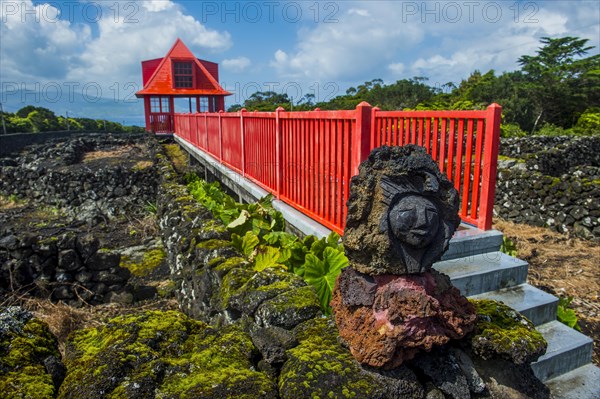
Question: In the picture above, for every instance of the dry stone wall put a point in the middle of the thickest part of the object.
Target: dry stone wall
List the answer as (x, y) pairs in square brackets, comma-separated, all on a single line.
[(68, 268), (56, 173), (552, 182), (48, 248)]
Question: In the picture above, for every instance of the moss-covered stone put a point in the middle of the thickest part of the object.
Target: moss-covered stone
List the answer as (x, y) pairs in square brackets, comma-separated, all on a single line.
[(289, 309), (262, 286), (213, 228), (503, 332), (213, 244), (166, 289), (177, 156), (226, 265), (142, 267), (232, 282), (320, 368), (26, 344), (162, 355)]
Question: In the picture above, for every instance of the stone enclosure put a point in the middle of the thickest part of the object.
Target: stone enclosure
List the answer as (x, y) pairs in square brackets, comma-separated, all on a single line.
[(61, 243), (552, 182)]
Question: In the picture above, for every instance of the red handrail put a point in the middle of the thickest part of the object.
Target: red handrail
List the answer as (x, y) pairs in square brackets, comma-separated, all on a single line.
[(307, 158)]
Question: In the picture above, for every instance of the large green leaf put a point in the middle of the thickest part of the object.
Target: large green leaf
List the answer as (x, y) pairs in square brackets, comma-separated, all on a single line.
[(565, 314), (259, 226), (244, 215), (280, 238), (333, 239), (247, 244), (318, 247), (266, 257), (321, 274)]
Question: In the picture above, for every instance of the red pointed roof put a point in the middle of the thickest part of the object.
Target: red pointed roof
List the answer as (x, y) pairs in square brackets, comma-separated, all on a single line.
[(161, 81)]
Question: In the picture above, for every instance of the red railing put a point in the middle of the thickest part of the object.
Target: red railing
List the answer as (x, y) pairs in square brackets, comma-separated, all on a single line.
[(161, 123), (307, 158)]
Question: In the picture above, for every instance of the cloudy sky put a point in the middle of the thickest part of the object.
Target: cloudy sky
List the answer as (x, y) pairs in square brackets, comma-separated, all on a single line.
[(69, 51)]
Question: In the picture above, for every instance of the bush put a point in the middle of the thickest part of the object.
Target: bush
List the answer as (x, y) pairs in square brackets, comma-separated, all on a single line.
[(258, 232), (511, 130), (590, 119)]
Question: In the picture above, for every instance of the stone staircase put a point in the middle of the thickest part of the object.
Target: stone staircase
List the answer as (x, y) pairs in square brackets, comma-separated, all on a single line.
[(477, 267)]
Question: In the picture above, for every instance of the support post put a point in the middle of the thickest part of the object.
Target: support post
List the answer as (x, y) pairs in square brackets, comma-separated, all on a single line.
[(220, 136), (278, 152), (171, 113), (374, 131), (243, 141), (361, 137), (490, 166), (147, 113), (206, 132)]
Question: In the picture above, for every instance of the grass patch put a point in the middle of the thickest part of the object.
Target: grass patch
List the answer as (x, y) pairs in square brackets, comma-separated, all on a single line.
[(177, 157), (11, 202), (142, 165)]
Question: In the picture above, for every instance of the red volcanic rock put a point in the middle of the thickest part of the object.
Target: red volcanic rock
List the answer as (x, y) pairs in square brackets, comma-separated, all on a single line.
[(387, 319)]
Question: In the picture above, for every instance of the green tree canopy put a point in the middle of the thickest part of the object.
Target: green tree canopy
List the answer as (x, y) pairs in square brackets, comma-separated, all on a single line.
[(560, 83)]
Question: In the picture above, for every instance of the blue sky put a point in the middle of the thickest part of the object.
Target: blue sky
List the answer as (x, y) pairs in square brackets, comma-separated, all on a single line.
[(69, 52)]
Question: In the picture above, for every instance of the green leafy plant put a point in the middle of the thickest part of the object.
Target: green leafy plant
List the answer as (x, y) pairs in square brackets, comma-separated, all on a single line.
[(245, 244), (566, 315), (508, 247), (321, 273), (257, 231), (151, 208)]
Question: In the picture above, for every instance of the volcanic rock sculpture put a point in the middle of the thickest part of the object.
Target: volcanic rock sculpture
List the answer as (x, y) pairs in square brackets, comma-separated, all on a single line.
[(402, 212), (389, 304)]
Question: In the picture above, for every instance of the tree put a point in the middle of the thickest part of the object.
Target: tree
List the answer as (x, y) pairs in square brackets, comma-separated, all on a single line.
[(267, 101), (43, 120), (15, 124), (26, 110), (559, 82)]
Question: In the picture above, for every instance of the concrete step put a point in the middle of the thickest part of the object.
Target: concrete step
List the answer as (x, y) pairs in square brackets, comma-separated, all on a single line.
[(533, 303), (486, 272), (581, 383), (469, 241), (567, 350)]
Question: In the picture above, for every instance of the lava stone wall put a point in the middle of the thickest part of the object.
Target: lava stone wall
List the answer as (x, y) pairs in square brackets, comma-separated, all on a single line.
[(52, 173), (552, 182), (63, 262), (210, 272), (12, 143), (553, 156), (68, 268)]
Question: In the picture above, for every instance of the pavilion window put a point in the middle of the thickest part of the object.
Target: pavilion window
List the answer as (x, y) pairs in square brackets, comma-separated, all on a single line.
[(183, 75), (204, 104), (164, 104), (155, 104), (159, 104)]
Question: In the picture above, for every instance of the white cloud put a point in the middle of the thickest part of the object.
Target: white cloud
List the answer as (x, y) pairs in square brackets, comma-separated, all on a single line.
[(355, 46), (157, 5), (395, 40), (238, 64), (50, 49), (35, 44), (359, 11), (281, 56), (396, 67), (114, 56)]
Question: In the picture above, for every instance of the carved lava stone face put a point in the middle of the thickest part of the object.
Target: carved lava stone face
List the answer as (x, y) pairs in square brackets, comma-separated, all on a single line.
[(414, 220)]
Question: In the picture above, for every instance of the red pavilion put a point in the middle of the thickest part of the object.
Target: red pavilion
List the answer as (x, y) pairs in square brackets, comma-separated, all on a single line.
[(179, 75)]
